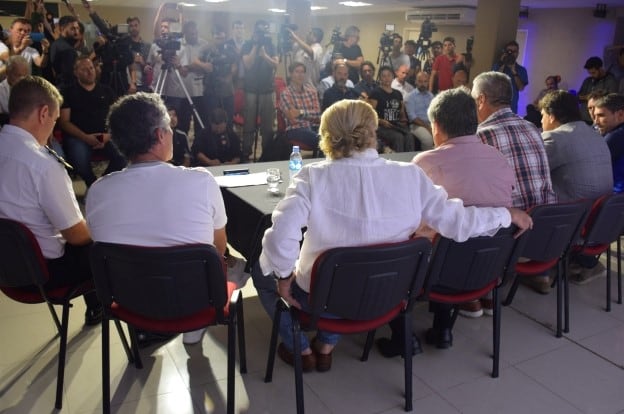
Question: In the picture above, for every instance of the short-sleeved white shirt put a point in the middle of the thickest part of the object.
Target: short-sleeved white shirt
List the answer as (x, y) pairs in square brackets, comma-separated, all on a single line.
[(36, 190), (156, 204)]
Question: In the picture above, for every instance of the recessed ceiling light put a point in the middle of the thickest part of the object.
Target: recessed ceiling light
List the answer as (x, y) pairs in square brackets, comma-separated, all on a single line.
[(318, 8), (277, 10), (354, 3), (187, 4), (216, 1)]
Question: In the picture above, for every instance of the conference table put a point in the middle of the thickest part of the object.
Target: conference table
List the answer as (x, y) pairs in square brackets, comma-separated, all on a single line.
[(249, 208)]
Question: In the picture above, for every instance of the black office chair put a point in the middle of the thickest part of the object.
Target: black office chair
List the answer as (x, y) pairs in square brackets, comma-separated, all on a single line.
[(604, 225), (167, 290), (555, 228), (23, 275), (470, 270), (364, 288)]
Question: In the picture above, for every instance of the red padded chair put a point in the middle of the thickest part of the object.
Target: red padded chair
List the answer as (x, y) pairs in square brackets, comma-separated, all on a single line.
[(23, 275), (364, 288), (604, 226), (472, 269), (167, 290), (555, 228)]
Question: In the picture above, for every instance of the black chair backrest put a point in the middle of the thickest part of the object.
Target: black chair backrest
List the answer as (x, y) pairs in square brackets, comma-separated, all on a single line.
[(555, 228), (365, 282), (160, 282), (21, 262), (606, 221), (472, 264)]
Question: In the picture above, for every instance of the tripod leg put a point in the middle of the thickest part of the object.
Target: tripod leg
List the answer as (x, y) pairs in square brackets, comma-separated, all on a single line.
[(188, 98)]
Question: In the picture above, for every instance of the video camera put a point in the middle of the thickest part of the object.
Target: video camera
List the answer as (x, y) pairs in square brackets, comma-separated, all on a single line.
[(262, 38), (427, 28), (386, 42), (336, 36), (284, 38)]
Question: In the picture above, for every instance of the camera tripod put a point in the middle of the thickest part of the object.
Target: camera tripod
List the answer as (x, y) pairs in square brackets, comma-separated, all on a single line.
[(160, 86)]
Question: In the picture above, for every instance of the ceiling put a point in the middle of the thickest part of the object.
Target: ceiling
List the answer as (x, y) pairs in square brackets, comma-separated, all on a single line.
[(333, 8)]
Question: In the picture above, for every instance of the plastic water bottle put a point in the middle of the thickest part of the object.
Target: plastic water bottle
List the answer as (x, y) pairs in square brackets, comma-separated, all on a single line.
[(295, 163)]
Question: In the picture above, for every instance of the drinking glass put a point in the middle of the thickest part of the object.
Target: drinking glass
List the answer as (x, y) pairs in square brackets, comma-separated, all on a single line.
[(273, 178)]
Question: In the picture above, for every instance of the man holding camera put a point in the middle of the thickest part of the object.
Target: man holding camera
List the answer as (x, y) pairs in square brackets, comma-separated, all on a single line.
[(260, 61), (395, 58), (220, 62), (516, 72), (351, 52), (139, 51), (20, 40), (310, 53)]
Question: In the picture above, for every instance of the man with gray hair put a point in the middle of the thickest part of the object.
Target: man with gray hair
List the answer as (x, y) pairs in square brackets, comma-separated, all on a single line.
[(17, 68), (151, 202), (519, 141)]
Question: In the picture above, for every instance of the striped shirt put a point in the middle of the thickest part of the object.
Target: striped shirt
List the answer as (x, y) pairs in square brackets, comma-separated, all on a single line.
[(522, 145)]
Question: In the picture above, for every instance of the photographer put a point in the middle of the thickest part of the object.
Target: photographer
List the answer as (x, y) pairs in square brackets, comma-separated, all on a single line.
[(260, 62), (310, 53), (220, 61), (20, 42), (517, 73), (351, 52)]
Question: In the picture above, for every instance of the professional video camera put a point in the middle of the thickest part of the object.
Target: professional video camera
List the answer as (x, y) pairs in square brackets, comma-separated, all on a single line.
[(386, 42), (284, 38), (169, 44), (336, 36), (427, 28), (222, 62)]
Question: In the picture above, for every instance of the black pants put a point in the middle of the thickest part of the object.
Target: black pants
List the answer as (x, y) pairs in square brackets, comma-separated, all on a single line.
[(72, 268)]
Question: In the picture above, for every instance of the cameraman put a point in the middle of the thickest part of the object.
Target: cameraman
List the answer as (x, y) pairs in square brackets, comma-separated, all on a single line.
[(518, 74), (310, 53), (260, 62), (220, 61), (140, 52), (351, 52), (395, 58)]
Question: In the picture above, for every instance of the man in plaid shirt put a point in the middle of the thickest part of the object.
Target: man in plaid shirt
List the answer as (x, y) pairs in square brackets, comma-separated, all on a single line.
[(300, 106), (519, 141)]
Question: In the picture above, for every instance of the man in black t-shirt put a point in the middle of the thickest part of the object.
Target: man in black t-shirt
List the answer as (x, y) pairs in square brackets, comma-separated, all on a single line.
[(260, 61), (83, 121), (351, 53), (62, 52), (217, 144)]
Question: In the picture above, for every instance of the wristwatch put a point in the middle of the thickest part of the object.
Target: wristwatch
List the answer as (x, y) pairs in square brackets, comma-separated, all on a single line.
[(301, 113)]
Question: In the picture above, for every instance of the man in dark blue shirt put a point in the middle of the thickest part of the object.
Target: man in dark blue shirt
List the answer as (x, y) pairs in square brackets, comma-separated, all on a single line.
[(518, 73)]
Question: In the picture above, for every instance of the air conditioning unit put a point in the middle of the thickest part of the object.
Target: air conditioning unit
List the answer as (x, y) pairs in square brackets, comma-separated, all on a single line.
[(444, 16)]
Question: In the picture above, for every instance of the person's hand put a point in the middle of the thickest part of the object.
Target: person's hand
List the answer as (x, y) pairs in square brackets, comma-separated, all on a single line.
[(94, 141), (45, 45), (521, 219), (283, 289), (384, 123), (293, 113), (132, 88)]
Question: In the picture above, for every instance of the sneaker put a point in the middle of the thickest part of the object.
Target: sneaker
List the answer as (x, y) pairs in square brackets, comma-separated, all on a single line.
[(471, 309), (193, 337), (236, 271), (488, 306), (540, 284), (587, 275)]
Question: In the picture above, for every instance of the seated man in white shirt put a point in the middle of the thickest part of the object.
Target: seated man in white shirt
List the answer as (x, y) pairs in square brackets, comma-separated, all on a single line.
[(17, 68), (152, 202)]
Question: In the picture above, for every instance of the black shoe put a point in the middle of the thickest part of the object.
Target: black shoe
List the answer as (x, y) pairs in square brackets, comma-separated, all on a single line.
[(94, 316), (441, 338), (390, 348), (146, 339)]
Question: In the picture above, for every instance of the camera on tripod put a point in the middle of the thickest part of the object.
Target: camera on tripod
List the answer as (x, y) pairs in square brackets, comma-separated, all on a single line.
[(284, 38), (427, 28), (386, 42), (336, 36)]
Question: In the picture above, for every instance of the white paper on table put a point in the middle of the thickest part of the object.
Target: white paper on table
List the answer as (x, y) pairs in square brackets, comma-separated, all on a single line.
[(241, 180)]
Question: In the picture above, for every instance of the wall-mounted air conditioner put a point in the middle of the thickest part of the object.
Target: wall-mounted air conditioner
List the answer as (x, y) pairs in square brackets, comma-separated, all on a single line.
[(444, 16)]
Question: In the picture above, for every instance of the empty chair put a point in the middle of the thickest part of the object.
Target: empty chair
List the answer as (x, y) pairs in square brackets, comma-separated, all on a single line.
[(604, 225), (363, 288), (167, 290), (555, 228), (23, 275)]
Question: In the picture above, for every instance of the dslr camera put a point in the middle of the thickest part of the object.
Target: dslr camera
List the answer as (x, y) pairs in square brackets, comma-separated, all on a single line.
[(508, 57)]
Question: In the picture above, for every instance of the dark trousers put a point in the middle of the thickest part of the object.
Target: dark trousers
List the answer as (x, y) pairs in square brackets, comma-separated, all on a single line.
[(79, 155), (72, 268)]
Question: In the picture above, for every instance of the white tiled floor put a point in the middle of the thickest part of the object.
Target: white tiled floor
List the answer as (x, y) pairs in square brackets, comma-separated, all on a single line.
[(580, 373)]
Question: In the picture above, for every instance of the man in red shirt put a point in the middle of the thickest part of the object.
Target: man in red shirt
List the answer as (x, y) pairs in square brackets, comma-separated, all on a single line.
[(442, 70)]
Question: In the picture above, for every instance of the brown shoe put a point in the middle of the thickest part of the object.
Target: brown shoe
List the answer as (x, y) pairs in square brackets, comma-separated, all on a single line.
[(308, 362), (323, 361)]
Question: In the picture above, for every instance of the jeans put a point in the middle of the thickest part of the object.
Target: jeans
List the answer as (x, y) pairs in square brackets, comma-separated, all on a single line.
[(267, 292), (306, 136), (266, 110), (79, 155)]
